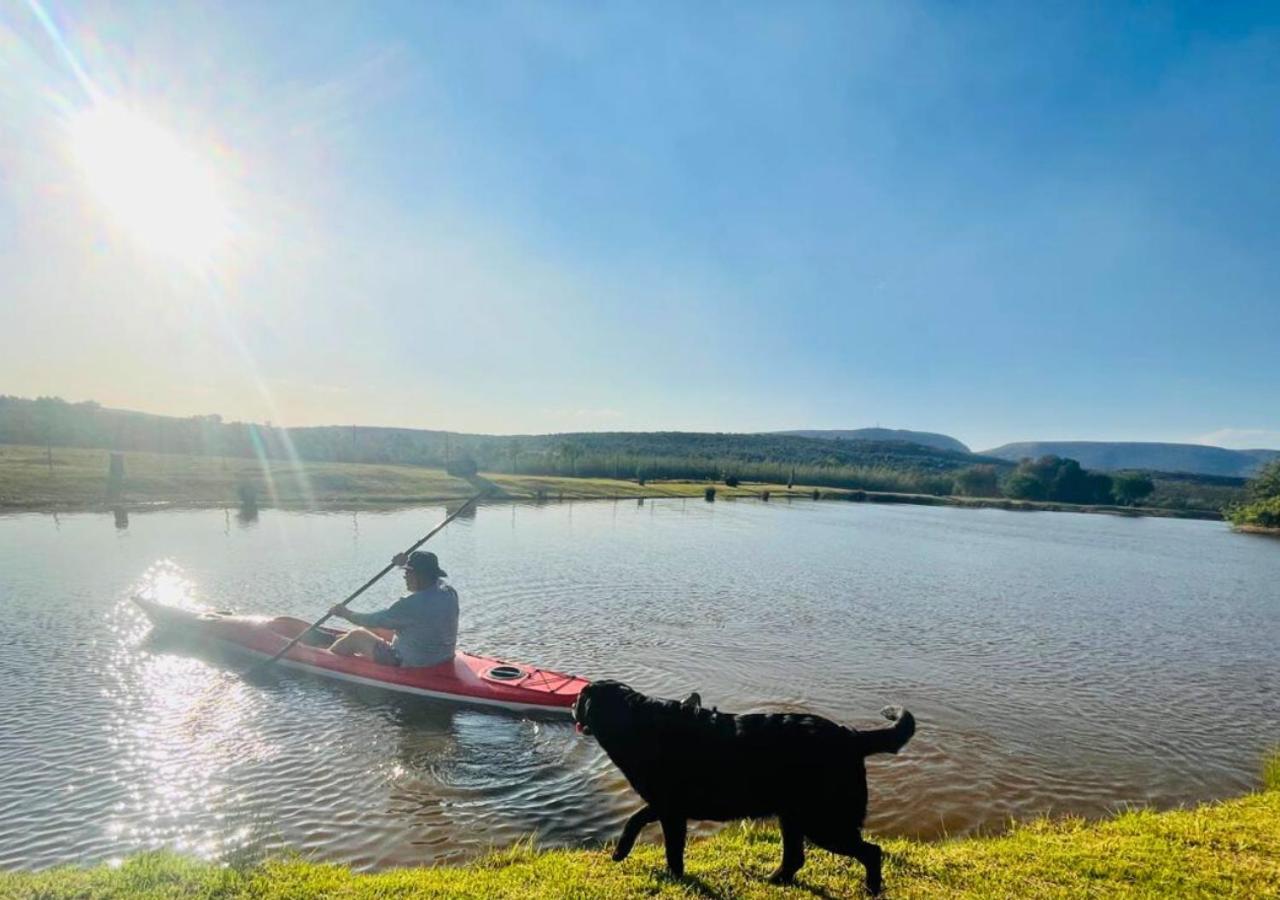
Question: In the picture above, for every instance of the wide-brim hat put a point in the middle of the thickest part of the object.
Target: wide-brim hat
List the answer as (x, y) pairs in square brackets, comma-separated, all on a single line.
[(424, 562)]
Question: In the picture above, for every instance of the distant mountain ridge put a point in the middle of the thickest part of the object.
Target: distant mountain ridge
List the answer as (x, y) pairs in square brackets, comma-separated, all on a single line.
[(1199, 459), (882, 435)]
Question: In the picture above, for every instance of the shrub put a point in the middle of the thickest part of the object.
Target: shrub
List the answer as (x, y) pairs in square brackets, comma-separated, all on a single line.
[(977, 481), (1128, 488), (1264, 492), (1054, 478), (462, 467)]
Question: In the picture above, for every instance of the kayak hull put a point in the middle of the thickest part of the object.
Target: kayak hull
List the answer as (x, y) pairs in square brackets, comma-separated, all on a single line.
[(468, 678)]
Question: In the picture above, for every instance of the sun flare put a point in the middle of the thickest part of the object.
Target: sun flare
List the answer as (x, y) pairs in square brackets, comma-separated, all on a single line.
[(162, 194)]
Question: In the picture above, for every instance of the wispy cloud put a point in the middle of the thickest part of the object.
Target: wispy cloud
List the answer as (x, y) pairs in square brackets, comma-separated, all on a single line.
[(1241, 438)]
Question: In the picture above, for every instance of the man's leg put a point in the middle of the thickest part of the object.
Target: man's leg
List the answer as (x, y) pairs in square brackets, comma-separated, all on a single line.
[(356, 642)]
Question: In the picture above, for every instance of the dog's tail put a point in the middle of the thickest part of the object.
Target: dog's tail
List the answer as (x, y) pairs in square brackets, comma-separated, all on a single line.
[(891, 738)]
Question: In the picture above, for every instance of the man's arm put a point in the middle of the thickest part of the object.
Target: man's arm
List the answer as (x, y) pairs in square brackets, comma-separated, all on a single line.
[(383, 618), (392, 617)]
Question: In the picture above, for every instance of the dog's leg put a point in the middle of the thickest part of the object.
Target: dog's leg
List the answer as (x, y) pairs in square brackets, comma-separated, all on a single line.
[(871, 856), (631, 831), (865, 852), (673, 833), (792, 851)]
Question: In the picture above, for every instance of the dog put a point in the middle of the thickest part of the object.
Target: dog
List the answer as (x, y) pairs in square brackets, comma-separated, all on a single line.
[(687, 762)]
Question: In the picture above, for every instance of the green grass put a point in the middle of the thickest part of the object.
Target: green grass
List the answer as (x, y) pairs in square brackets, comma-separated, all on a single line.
[(78, 479), (1228, 849)]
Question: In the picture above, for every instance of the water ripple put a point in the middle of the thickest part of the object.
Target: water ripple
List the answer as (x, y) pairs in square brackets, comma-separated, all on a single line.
[(1056, 664)]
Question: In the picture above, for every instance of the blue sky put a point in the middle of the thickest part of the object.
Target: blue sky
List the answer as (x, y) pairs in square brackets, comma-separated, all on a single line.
[(1001, 221)]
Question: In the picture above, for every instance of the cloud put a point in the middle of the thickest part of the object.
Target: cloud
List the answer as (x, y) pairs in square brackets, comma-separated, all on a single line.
[(1241, 438)]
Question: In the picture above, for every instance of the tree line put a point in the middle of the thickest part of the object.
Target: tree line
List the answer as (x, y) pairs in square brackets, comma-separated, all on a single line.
[(53, 422), (1055, 479), (889, 466)]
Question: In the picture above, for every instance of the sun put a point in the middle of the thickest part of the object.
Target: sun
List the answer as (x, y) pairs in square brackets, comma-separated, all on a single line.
[(166, 197)]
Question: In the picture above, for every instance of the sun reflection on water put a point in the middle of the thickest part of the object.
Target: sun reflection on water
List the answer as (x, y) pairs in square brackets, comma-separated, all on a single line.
[(180, 728)]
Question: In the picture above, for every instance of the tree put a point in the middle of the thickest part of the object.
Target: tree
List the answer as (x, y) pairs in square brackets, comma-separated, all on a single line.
[(1026, 483), (977, 481), (1263, 510), (1266, 484), (1129, 488), (570, 451), (1054, 478)]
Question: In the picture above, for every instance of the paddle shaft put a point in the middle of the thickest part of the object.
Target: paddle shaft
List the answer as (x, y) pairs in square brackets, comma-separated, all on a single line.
[(371, 582)]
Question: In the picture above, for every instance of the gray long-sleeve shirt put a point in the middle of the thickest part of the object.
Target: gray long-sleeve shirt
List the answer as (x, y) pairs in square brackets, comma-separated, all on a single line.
[(425, 623)]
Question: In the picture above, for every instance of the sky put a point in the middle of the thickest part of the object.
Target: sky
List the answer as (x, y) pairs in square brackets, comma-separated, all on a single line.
[(1001, 221)]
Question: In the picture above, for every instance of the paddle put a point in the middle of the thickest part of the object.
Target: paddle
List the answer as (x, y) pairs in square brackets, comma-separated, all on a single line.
[(368, 584)]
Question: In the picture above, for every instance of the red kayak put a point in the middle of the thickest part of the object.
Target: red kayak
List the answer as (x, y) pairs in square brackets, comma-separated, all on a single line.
[(468, 679)]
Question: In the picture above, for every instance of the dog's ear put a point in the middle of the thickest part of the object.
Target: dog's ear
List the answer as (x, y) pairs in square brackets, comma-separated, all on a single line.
[(692, 703)]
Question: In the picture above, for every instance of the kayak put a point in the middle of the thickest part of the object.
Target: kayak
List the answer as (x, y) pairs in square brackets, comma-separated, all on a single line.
[(469, 679)]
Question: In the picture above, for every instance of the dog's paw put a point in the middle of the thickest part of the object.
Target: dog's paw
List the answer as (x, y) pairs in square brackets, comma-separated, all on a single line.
[(892, 713), (782, 876), (618, 855)]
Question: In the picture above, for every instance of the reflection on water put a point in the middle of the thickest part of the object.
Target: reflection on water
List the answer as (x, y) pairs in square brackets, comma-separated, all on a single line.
[(1056, 663)]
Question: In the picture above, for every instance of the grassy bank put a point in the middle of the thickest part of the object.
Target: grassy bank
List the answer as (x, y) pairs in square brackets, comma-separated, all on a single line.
[(77, 479), (1229, 849)]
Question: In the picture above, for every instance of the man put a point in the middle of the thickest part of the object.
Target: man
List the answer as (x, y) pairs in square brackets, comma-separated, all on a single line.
[(425, 620)]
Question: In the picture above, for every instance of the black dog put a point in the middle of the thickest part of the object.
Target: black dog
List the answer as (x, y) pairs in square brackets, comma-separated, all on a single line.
[(692, 763)]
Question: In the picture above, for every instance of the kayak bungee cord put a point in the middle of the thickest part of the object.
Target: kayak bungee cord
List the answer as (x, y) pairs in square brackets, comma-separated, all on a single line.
[(364, 587)]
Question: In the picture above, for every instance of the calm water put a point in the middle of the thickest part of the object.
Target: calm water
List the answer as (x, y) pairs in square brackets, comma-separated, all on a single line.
[(1056, 663)]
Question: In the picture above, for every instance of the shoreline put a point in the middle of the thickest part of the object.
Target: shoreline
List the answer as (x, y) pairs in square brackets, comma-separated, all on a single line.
[(743, 492), (1264, 530), (76, 482), (1229, 848)]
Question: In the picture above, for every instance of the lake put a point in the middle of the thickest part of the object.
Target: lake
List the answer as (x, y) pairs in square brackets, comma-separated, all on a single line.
[(1056, 663)]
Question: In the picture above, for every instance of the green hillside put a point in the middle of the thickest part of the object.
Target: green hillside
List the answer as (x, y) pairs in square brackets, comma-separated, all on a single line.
[(663, 454), (902, 435), (1113, 455)]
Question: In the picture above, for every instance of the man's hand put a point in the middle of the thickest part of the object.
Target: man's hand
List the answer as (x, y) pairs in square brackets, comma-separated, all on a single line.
[(399, 559), (340, 611)]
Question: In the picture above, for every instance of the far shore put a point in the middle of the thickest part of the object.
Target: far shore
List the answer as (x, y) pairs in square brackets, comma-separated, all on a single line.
[(77, 482), (1257, 529)]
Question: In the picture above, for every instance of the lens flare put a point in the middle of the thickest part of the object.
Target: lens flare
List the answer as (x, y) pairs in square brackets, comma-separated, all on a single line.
[(162, 194)]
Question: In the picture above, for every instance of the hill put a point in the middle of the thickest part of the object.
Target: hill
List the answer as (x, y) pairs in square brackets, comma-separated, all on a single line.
[(1111, 455), (870, 465), (922, 438)]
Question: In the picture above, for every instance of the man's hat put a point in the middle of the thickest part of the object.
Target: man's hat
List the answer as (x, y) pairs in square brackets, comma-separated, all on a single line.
[(424, 562)]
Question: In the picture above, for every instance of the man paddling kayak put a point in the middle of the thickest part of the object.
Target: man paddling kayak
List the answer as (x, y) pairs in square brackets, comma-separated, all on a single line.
[(425, 620)]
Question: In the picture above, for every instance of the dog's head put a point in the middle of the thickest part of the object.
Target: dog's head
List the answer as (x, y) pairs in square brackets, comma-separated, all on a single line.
[(607, 708), (604, 707)]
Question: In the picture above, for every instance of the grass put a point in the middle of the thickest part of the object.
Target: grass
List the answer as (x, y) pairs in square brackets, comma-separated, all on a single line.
[(1228, 849), (78, 480)]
